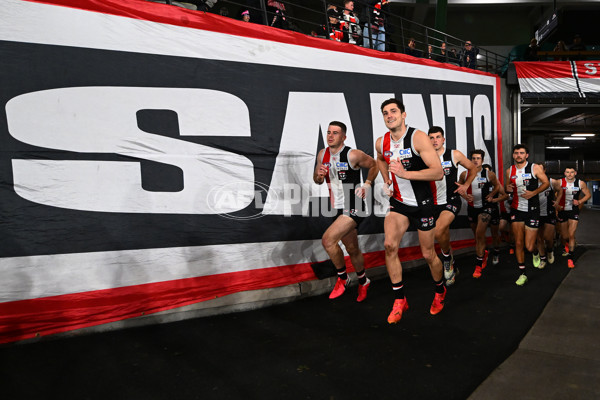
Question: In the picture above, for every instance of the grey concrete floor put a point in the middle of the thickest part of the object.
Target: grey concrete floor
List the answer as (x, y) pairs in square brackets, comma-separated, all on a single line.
[(559, 358)]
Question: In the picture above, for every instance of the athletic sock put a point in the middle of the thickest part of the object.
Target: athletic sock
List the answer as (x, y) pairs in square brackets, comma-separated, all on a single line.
[(439, 286), (570, 256), (341, 273), (535, 253), (362, 277), (398, 289), (522, 269), (543, 258), (479, 261), (446, 256)]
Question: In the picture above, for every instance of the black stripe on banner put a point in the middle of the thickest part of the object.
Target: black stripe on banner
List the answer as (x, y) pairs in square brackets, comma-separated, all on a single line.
[(574, 71)]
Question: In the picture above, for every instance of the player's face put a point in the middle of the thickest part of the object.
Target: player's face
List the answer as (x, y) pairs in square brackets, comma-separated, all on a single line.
[(520, 155), (437, 140), (477, 159), (393, 117), (570, 174), (335, 137)]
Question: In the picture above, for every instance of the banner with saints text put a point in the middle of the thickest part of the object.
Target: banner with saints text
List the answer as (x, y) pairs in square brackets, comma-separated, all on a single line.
[(154, 157)]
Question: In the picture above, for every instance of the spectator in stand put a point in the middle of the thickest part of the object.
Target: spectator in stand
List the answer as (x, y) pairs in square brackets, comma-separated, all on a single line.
[(443, 56), (374, 30), (560, 46), (350, 23), (224, 12), (205, 5), (276, 9), (411, 49), (246, 16), (468, 56), (430, 53), (577, 46), (453, 57), (531, 52), (335, 31)]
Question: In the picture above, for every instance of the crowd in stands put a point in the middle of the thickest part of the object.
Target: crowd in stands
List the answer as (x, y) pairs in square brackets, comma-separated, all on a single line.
[(563, 52), (366, 27)]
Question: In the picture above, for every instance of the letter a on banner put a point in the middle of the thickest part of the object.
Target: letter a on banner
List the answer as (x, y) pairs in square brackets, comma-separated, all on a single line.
[(306, 114)]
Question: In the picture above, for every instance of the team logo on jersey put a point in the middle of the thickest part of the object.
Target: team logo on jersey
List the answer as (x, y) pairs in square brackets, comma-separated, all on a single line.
[(327, 164), (388, 154), (342, 175), (406, 164), (341, 165)]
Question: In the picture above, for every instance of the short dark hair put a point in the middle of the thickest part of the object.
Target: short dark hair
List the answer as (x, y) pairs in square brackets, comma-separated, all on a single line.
[(520, 146), (436, 129), (393, 101), (478, 151), (573, 168), (339, 124)]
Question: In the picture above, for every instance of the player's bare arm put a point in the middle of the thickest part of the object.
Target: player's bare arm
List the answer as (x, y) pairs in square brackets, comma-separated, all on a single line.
[(586, 195), (471, 172), (359, 158), (496, 188), (320, 170)]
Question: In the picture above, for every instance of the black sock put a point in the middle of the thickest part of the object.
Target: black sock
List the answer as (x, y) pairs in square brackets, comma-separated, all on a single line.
[(522, 269), (543, 258), (398, 289), (341, 273), (496, 251), (362, 277), (570, 255), (445, 256), (439, 286), (479, 261)]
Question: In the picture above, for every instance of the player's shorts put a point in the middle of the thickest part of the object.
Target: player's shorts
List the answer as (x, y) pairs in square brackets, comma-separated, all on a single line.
[(453, 205), (565, 215), (548, 219), (352, 214), (473, 213), (505, 215), (495, 221), (421, 217), (530, 218)]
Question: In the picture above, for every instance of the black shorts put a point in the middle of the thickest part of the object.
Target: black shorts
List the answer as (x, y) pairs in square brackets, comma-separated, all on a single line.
[(473, 213), (548, 219), (573, 214), (352, 214), (531, 218), (453, 205), (495, 214), (505, 215), (421, 217)]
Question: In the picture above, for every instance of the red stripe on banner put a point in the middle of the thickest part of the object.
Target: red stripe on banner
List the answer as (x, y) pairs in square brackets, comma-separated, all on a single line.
[(588, 69), (26, 319), (178, 16), (552, 69)]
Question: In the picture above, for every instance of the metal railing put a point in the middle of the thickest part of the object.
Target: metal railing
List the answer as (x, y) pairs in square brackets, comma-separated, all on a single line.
[(310, 17)]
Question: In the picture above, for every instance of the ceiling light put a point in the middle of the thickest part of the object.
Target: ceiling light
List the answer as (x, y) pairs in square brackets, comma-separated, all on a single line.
[(583, 134), (573, 138), (558, 147)]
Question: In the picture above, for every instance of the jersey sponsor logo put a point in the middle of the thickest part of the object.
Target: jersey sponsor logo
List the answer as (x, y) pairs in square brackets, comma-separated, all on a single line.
[(327, 164), (341, 165), (526, 176), (404, 153), (388, 154)]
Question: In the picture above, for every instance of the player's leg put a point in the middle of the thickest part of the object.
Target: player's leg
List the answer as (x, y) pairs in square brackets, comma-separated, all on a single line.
[(395, 225), (342, 225), (426, 240), (571, 229), (483, 220), (518, 228), (350, 242), (442, 236)]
